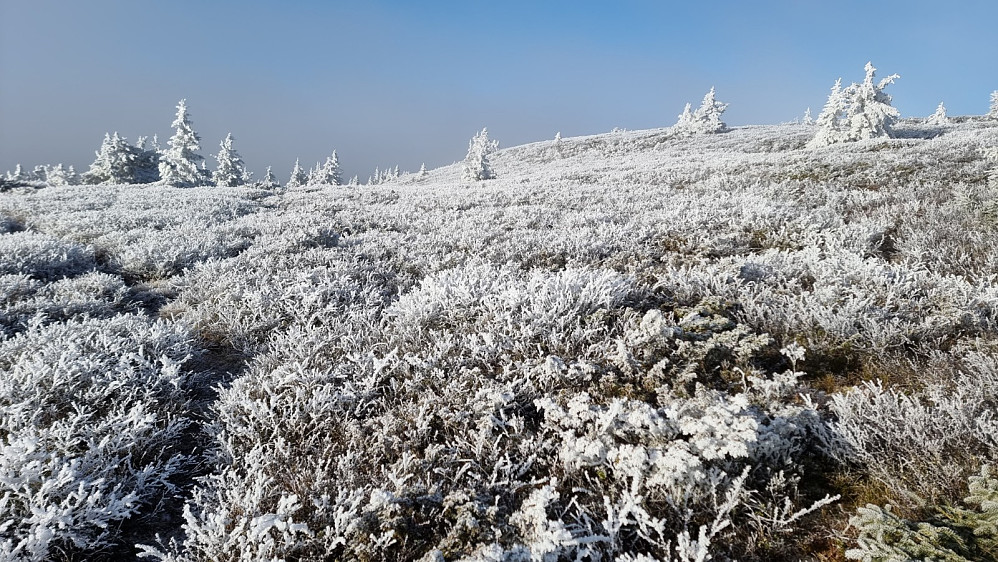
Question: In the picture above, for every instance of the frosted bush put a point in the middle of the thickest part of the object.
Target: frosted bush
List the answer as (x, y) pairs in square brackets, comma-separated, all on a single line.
[(156, 254), (43, 256), (91, 431), (394, 352), (923, 442), (91, 295)]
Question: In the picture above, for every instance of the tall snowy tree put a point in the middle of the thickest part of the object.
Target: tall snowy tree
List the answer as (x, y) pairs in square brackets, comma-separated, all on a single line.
[(298, 176), (476, 163), (860, 112), (231, 171), (993, 112), (705, 120), (181, 165)]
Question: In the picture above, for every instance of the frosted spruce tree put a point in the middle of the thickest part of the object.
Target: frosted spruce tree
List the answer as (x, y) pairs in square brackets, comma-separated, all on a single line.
[(993, 112), (298, 176), (115, 162), (181, 165), (146, 166), (231, 171), (705, 120), (939, 117), (59, 175), (476, 163), (329, 173), (269, 180), (860, 112)]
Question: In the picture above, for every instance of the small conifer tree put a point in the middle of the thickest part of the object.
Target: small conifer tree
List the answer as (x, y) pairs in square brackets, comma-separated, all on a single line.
[(705, 120), (476, 164), (939, 117), (993, 112), (298, 176), (860, 112), (116, 162), (328, 173), (231, 171), (270, 180), (181, 165)]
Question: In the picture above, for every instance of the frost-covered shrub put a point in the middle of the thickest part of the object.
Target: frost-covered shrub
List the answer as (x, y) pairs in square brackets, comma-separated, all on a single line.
[(92, 417), (42, 256), (91, 295), (150, 254), (924, 442), (501, 312)]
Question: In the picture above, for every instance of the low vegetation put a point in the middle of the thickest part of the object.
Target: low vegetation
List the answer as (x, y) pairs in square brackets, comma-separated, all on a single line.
[(633, 346)]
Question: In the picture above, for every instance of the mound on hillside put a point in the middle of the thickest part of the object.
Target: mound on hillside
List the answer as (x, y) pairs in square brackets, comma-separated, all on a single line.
[(625, 347)]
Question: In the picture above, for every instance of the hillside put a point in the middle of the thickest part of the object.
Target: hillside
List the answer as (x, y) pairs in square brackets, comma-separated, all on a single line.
[(628, 346)]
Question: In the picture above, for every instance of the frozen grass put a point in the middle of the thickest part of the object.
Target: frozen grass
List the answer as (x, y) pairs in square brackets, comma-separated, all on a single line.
[(628, 346)]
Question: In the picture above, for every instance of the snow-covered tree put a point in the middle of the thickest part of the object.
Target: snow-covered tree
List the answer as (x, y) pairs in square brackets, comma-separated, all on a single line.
[(230, 171), (860, 112), (422, 170), (329, 173), (146, 165), (17, 175), (808, 120), (705, 120), (993, 112), (829, 121), (269, 180), (59, 175), (939, 117), (870, 114), (298, 176), (118, 162), (181, 165), (476, 163)]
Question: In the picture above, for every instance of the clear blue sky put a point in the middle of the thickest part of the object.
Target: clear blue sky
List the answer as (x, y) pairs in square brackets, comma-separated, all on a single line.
[(390, 82)]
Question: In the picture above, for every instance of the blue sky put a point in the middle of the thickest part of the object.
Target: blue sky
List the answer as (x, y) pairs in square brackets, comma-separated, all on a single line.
[(391, 82)]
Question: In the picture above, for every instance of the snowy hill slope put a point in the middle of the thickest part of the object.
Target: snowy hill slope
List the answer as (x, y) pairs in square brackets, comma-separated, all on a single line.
[(627, 344)]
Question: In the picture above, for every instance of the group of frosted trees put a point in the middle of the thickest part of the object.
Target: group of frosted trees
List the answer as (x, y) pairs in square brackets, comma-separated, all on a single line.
[(856, 112), (181, 164)]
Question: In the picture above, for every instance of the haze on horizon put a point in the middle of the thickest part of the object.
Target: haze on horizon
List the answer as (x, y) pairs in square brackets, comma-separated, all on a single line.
[(388, 82)]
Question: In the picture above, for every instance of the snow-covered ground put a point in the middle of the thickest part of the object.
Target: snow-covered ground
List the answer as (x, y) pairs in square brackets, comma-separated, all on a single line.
[(628, 346)]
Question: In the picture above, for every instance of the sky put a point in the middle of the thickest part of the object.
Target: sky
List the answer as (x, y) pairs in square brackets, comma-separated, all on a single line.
[(387, 82)]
